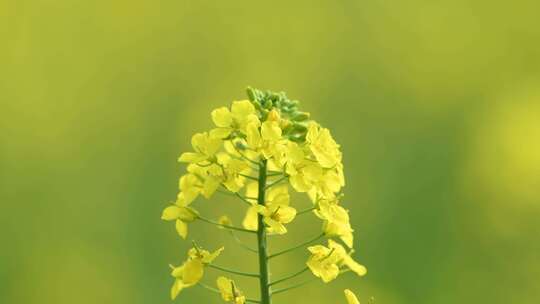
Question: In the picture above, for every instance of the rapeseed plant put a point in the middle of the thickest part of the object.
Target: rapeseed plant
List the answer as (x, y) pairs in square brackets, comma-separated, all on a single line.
[(259, 150)]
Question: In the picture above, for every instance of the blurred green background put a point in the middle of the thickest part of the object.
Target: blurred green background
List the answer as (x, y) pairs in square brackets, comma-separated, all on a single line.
[(436, 105)]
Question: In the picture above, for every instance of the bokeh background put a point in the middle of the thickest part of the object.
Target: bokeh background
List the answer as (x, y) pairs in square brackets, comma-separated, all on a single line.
[(436, 105)]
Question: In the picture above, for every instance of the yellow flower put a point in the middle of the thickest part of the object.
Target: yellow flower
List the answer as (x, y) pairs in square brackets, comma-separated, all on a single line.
[(339, 172), (305, 175), (276, 211), (209, 178), (205, 147), (199, 180), (266, 138), (253, 136), (229, 291), (295, 157), (325, 262), (323, 146), (227, 121), (326, 185), (351, 297), (270, 131), (223, 119), (335, 220), (192, 270), (346, 259), (182, 214), (273, 146), (190, 187), (205, 256), (308, 175), (250, 221), (186, 275), (233, 170)]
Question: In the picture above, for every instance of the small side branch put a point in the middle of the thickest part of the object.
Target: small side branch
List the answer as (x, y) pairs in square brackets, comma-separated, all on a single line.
[(212, 289), (276, 182), (289, 276), (305, 211), (293, 286), (275, 173), (225, 226), (245, 157), (246, 274), (302, 283), (239, 242), (245, 200), (236, 194), (248, 177), (295, 247)]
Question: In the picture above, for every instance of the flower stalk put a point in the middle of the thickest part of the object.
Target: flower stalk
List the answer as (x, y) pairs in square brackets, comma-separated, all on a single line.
[(264, 274)]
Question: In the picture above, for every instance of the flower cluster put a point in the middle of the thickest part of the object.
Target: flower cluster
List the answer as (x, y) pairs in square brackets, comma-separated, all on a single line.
[(259, 150)]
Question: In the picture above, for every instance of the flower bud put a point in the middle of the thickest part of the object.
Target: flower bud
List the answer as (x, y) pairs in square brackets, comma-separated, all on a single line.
[(287, 128), (300, 116), (267, 104), (240, 145), (273, 115), (224, 220), (252, 94), (299, 128), (284, 124), (298, 138), (257, 105)]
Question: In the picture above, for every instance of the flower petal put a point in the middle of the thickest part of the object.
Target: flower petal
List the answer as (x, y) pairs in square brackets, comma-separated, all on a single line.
[(182, 229), (351, 297), (222, 117), (170, 213)]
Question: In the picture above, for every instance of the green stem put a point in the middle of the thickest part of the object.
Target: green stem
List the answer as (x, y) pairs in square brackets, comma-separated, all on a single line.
[(261, 240), (246, 274), (289, 276), (296, 247)]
